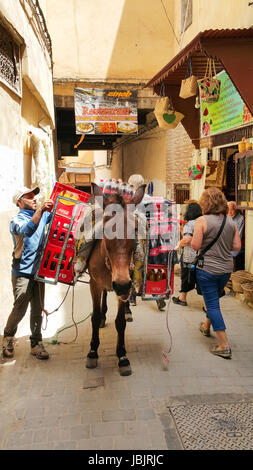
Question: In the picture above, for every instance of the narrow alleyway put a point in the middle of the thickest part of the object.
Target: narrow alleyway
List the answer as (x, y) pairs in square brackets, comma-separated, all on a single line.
[(198, 401)]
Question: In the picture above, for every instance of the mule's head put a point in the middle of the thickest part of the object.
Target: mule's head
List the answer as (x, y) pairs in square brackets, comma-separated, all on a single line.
[(119, 236)]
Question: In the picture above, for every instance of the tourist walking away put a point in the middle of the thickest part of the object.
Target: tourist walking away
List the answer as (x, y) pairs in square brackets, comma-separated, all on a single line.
[(27, 230), (188, 278), (237, 216), (215, 236)]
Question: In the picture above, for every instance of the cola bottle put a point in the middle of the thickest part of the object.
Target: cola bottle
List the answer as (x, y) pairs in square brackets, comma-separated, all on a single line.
[(56, 230), (163, 252), (123, 190), (107, 187), (153, 255), (131, 191), (117, 186), (128, 191)]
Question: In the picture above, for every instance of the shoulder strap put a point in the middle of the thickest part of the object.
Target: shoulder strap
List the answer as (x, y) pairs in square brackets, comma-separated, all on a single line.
[(216, 238)]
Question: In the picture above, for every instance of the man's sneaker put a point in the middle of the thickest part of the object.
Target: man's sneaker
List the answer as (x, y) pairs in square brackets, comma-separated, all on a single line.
[(39, 351), (8, 346)]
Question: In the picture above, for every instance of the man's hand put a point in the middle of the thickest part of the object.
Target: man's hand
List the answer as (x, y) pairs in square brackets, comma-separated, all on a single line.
[(46, 206)]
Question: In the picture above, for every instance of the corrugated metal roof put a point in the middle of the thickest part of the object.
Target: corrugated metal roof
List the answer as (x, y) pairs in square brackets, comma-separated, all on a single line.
[(175, 70)]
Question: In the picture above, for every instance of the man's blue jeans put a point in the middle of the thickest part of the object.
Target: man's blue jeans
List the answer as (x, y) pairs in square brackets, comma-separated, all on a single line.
[(212, 286)]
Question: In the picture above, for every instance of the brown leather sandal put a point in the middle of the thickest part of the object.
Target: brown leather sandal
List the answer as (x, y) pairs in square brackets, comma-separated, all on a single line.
[(204, 331)]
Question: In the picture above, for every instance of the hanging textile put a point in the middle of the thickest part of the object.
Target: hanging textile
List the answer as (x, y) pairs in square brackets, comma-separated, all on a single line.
[(41, 172)]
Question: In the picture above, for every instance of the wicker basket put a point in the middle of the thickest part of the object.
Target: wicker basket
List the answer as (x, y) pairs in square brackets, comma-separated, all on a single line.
[(248, 291), (239, 278)]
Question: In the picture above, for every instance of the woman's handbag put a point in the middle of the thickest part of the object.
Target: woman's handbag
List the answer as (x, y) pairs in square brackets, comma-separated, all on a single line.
[(209, 86), (166, 116), (189, 84)]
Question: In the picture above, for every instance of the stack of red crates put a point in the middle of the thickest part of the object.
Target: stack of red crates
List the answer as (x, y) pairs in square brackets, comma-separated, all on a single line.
[(159, 287), (58, 231)]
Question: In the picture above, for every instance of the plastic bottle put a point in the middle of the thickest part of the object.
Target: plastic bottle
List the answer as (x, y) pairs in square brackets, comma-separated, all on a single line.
[(123, 190), (101, 184), (151, 275), (56, 230), (107, 187), (159, 275), (131, 191)]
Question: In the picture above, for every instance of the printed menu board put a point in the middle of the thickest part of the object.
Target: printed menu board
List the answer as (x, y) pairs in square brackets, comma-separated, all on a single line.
[(99, 111), (229, 112)]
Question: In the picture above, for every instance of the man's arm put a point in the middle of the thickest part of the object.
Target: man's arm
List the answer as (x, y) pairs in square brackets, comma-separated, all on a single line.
[(46, 206), (27, 229)]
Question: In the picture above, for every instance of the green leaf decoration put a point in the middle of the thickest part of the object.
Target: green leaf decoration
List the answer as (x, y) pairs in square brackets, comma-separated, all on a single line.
[(169, 118)]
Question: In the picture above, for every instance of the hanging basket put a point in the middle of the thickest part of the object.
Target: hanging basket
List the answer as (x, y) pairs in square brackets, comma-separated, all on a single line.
[(209, 86), (239, 278), (167, 117), (248, 291), (195, 172), (189, 84)]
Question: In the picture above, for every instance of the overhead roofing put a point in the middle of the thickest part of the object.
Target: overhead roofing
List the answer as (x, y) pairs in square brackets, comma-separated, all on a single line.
[(197, 49), (232, 51)]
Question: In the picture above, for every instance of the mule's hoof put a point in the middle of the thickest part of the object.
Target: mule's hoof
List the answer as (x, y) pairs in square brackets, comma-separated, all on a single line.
[(91, 363), (124, 366), (102, 323), (125, 370)]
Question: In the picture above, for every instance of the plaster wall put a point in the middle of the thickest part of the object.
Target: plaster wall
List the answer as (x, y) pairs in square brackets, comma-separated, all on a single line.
[(147, 156), (123, 40), (17, 114), (213, 15), (34, 52)]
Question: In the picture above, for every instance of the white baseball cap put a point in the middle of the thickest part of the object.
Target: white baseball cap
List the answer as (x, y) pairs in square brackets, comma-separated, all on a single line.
[(22, 191)]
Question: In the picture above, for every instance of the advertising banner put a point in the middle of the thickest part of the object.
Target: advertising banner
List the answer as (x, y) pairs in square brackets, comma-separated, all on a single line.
[(99, 111), (229, 112)]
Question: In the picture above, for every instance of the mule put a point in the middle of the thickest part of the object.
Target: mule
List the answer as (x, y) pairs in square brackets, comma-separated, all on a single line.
[(109, 269)]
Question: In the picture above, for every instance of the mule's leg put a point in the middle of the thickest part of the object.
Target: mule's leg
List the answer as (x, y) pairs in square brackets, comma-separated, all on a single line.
[(103, 309), (92, 356), (120, 322)]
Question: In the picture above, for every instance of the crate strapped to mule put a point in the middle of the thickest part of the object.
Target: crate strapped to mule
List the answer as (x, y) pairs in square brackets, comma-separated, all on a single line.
[(162, 238), (56, 261)]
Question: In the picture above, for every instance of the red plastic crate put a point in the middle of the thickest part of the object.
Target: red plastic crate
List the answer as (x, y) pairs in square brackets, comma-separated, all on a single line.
[(58, 232), (50, 262), (159, 287), (65, 208)]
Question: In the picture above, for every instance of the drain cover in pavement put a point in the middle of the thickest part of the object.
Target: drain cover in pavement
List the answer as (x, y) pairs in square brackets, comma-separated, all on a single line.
[(215, 427)]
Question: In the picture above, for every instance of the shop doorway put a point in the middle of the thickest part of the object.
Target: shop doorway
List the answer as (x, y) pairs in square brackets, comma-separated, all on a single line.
[(227, 154)]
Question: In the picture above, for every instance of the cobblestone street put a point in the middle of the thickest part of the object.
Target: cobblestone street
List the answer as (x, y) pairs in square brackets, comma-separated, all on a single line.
[(59, 404)]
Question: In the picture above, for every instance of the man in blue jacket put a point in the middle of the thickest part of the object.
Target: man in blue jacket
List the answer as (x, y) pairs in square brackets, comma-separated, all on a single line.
[(27, 230)]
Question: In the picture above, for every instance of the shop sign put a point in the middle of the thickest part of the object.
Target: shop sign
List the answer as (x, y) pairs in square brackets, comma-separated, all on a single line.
[(229, 112), (99, 111)]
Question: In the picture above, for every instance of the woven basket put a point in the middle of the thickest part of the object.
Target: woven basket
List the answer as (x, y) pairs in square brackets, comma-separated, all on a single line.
[(248, 291), (167, 117), (239, 278)]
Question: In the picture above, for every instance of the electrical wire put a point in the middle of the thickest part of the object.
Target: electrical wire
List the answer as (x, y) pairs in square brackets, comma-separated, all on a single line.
[(170, 23)]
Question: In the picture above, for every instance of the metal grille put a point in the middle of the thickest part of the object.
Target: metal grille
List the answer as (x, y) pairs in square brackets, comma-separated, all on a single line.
[(9, 60), (181, 193), (215, 427)]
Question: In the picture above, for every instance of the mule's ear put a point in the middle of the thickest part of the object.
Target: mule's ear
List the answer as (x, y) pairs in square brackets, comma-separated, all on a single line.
[(138, 195), (96, 192)]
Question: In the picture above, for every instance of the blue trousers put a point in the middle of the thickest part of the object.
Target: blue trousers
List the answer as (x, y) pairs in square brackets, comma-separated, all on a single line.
[(212, 286)]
